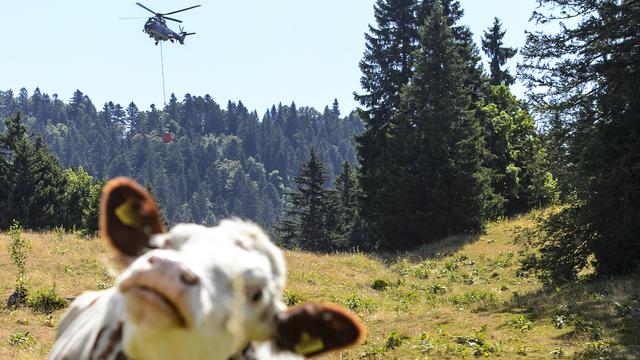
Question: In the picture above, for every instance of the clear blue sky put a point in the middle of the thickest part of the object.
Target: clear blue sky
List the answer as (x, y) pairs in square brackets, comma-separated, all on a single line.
[(259, 52)]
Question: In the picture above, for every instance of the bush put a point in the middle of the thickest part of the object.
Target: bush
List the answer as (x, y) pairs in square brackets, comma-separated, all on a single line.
[(520, 322), (292, 298), (395, 340), (21, 339), (559, 247), (476, 344), (600, 350), (358, 303), (46, 301), (19, 248), (380, 285)]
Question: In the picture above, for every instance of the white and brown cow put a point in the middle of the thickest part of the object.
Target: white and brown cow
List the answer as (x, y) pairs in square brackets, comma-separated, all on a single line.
[(194, 292)]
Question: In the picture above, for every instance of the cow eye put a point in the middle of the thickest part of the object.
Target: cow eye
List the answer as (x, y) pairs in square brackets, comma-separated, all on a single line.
[(255, 295)]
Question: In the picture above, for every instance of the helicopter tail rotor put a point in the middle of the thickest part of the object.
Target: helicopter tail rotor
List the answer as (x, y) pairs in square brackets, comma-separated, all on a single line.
[(183, 34)]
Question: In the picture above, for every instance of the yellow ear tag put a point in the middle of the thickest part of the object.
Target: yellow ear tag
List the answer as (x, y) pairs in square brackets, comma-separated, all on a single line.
[(309, 345), (127, 215)]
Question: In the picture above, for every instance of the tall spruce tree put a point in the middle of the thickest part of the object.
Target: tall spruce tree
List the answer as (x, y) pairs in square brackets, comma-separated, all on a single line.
[(437, 184), (463, 38), (386, 66), (589, 71), (34, 180), (346, 205), (307, 216), (498, 54)]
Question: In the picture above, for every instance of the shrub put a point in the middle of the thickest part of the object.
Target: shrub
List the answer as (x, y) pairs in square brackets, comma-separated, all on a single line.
[(395, 340), (476, 344), (358, 303), (292, 298), (425, 345), (560, 321), (560, 247), (58, 233), (380, 285), (21, 339), (437, 289), (520, 322), (591, 329), (19, 249), (600, 350), (46, 301), (522, 350)]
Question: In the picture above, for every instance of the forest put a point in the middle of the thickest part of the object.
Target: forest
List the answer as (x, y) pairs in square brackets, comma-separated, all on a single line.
[(220, 162)]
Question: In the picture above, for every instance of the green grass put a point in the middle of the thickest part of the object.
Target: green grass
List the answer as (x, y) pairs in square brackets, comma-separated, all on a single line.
[(460, 298)]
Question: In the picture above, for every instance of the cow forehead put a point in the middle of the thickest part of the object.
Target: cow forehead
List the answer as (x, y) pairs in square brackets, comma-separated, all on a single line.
[(233, 246)]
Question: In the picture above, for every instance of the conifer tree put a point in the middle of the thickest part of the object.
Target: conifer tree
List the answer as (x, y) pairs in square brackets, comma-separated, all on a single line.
[(463, 38), (589, 71), (498, 54), (437, 185), (306, 217), (386, 66), (345, 196), (34, 180)]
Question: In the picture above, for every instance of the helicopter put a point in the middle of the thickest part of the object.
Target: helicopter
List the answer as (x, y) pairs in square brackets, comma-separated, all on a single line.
[(156, 26)]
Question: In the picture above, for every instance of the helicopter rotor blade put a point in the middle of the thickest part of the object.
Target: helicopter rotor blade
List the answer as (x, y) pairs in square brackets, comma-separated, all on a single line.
[(185, 9), (146, 8), (172, 19), (132, 18)]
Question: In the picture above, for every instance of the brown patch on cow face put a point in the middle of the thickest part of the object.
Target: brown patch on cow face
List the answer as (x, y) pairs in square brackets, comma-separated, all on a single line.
[(128, 216), (313, 329)]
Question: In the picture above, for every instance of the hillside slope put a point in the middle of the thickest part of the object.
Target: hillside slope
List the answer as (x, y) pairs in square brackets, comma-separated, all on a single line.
[(460, 298)]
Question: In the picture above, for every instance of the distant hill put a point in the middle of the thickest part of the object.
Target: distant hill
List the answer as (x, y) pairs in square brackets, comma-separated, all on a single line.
[(221, 161)]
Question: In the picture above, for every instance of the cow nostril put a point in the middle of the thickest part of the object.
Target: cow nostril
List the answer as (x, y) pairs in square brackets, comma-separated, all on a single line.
[(188, 277), (153, 260)]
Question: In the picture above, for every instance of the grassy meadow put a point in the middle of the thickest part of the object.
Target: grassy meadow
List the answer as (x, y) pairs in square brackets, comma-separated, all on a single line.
[(461, 298)]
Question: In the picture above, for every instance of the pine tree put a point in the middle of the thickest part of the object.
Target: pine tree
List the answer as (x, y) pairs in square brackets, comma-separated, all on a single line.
[(34, 180), (346, 204), (306, 217), (463, 39), (498, 54), (437, 185), (386, 66), (590, 73)]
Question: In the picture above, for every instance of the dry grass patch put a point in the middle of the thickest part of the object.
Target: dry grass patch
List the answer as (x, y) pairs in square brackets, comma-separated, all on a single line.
[(66, 263), (459, 298)]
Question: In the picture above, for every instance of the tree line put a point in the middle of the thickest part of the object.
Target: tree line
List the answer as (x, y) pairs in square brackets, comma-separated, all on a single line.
[(221, 162), (446, 145)]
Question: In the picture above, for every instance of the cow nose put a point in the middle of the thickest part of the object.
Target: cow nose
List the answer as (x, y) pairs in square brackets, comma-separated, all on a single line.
[(186, 276)]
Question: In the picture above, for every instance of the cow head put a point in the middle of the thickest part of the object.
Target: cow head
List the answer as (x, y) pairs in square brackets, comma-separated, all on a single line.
[(207, 292)]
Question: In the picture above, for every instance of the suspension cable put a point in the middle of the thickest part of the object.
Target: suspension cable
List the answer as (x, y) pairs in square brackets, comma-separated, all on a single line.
[(164, 93)]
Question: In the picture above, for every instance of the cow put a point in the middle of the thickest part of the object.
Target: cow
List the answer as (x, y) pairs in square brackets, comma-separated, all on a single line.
[(194, 292)]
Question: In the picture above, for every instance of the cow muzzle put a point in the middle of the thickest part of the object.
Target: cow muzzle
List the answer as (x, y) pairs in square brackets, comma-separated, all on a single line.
[(159, 293)]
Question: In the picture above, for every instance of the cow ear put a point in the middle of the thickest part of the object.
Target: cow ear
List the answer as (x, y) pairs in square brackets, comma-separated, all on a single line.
[(314, 329), (128, 216)]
